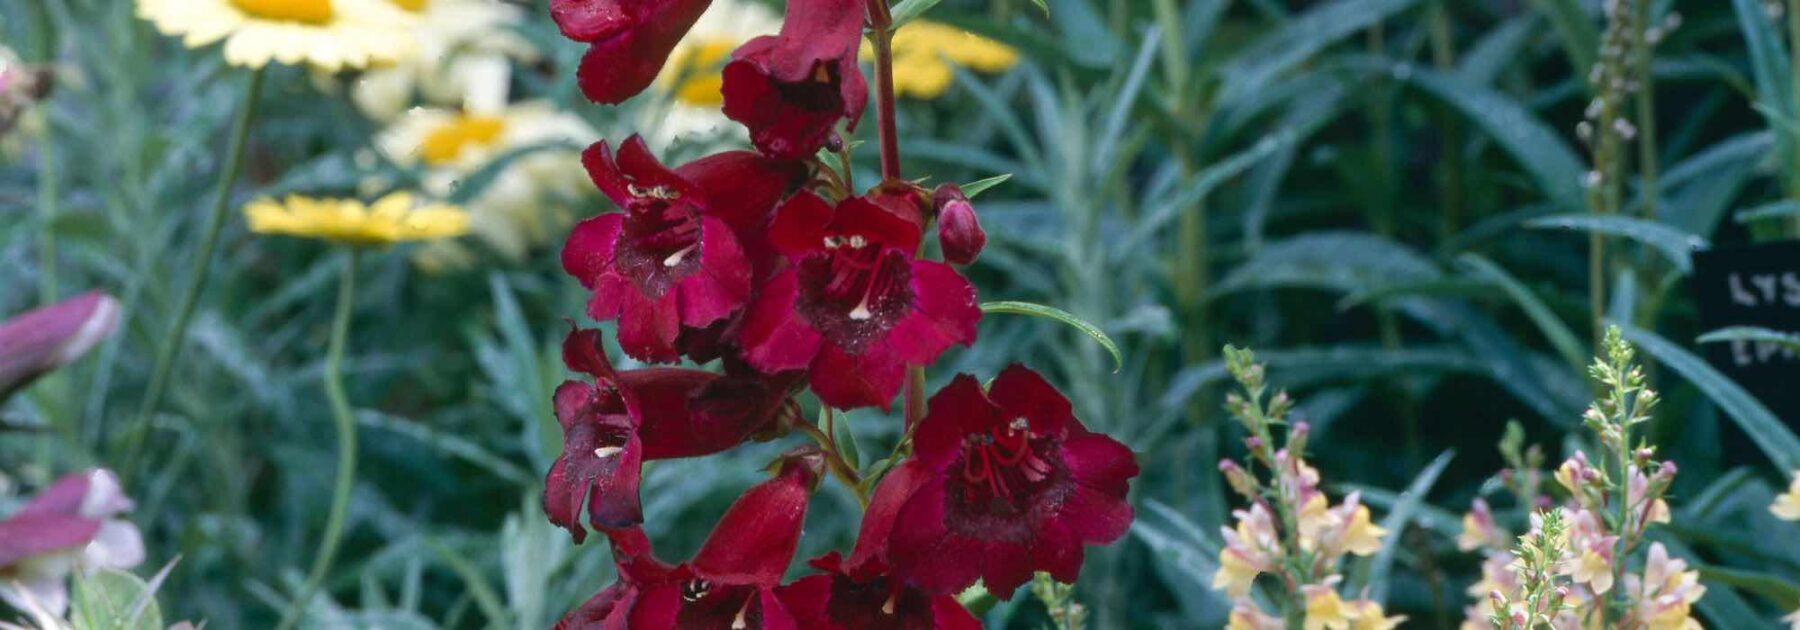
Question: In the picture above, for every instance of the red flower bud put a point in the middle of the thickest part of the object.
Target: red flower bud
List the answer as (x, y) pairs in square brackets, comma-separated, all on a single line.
[(45, 339), (959, 230)]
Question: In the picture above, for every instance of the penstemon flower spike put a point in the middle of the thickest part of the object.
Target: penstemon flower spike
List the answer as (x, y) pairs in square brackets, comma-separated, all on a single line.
[(771, 263)]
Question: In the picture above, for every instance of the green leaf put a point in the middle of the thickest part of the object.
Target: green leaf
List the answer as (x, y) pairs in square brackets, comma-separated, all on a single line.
[(485, 598), (1769, 68), (1674, 243), (908, 10), (1785, 593), (1752, 333), (979, 186), (845, 440), (1051, 312), (1381, 567), (1555, 329), (1576, 30), (1534, 145), (1299, 39), (1786, 208), (110, 599), (1337, 261), (1770, 435)]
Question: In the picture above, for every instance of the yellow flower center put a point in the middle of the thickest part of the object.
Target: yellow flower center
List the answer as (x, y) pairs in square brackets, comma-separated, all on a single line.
[(445, 143), (305, 11), (414, 6), (697, 71)]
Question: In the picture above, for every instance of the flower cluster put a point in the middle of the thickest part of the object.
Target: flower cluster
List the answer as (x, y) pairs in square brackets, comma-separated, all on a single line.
[(1571, 568), (1290, 529), (770, 262)]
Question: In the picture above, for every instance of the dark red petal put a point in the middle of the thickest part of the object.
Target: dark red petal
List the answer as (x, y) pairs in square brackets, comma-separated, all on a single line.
[(588, 253), (742, 187), (1022, 393), (682, 417), (775, 614), (800, 225), (721, 285), (806, 599), (638, 162), (815, 31), (957, 410), (648, 328), (1101, 469), (775, 337), (614, 500), (949, 614), (755, 540), (926, 553), (631, 41), (656, 607), (881, 220), (850, 381), (945, 312), (604, 170), (611, 292), (582, 352), (878, 520), (1055, 549), (598, 612)]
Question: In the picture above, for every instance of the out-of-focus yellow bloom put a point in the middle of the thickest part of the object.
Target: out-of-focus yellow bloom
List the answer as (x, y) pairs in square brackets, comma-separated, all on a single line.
[(328, 35), (392, 219), (1235, 575), (1362, 537), (1314, 519), (526, 203), (1245, 615), (1324, 609), (693, 77), (924, 52), (1787, 506), (466, 52)]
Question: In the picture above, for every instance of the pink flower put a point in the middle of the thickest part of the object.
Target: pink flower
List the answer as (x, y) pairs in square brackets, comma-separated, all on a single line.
[(792, 88), (38, 341), (731, 582), (626, 418), (1002, 484), (854, 306), (631, 40), (69, 525), (684, 254)]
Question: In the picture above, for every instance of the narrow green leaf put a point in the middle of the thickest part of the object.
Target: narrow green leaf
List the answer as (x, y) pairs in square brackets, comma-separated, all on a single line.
[(1534, 145), (1051, 312), (1786, 208), (110, 599), (1785, 593), (1298, 40), (846, 441), (1752, 333), (1576, 30), (1555, 329), (1770, 435), (485, 598), (1676, 244), (1381, 567), (979, 186), (1769, 68), (909, 10)]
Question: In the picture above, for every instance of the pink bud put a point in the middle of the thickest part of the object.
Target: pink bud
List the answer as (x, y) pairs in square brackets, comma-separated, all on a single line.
[(959, 231), (45, 339)]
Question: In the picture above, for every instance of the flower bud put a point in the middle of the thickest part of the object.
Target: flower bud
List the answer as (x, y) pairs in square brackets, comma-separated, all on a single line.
[(48, 338), (959, 231)]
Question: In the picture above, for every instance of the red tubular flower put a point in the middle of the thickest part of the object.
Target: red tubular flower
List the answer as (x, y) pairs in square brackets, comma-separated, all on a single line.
[(1002, 484), (631, 40), (731, 582), (959, 230), (854, 306), (626, 418), (791, 89), (674, 258), (36, 342)]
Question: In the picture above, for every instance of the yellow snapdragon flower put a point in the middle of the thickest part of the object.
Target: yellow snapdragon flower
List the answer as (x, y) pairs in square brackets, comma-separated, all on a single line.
[(392, 219)]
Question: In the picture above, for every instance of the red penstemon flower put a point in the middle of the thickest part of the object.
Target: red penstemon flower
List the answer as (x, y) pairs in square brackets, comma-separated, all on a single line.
[(855, 306), (792, 88), (631, 40), (731, 582), (686, 249), (626, 418), (1002, 484)]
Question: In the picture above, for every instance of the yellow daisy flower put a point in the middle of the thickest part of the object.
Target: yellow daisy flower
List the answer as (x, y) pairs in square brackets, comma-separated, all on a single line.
[(328, 35), (924, 52), (390, 220)]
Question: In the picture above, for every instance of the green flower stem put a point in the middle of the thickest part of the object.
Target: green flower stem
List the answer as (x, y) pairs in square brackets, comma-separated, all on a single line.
[(209, 240), (345, 423), (47, 171)]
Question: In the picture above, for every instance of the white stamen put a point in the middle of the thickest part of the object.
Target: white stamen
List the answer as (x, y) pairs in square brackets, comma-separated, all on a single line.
[(857, 241), (887, 607), (861, 312), (608, 451), (676, 258)]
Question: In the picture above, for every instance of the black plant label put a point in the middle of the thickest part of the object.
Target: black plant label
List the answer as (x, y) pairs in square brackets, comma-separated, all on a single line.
[(1755, 285)]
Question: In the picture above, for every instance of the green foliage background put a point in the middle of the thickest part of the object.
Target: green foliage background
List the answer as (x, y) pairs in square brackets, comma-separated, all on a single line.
[(1384, 197)]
